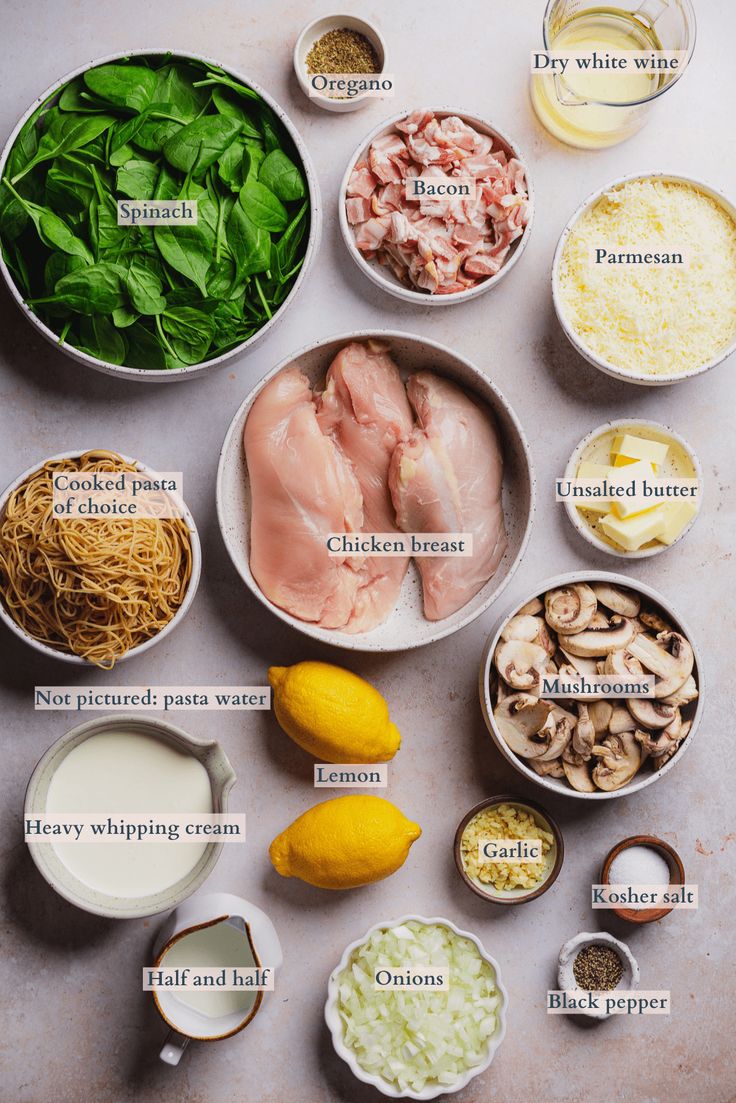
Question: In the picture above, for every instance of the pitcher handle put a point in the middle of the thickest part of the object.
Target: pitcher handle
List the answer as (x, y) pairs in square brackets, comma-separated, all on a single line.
[(173, 1047)]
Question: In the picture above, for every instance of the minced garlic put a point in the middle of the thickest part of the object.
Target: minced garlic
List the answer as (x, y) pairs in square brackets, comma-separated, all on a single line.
[(504, 822)]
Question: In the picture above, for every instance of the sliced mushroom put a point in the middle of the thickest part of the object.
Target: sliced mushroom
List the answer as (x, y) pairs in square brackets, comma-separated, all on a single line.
[(653, 620), (583, 738), (670, 657), (547, 769), (621, 721), (531, 608), (519, 663), (520, 717), (659, 760), (617, 598), (600, 715), (531, 629), (619, 757), (578, 774), (581, 664), (659, 743), (615, 636), (687, 692), (558, 729), (621, 663), (570, 608), (651, 714)]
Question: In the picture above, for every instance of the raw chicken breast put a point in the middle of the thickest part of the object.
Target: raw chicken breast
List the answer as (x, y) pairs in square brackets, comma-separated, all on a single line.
[(365, 409), (447, 478), (302, 489)]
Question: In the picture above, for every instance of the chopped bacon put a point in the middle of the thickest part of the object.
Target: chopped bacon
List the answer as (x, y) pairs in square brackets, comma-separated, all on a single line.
[(439, 244)]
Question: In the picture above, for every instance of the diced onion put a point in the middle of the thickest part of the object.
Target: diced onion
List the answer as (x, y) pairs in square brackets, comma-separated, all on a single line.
[(417, 1037)]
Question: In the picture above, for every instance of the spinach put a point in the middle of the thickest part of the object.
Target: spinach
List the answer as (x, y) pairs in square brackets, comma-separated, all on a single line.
[(162, 297)]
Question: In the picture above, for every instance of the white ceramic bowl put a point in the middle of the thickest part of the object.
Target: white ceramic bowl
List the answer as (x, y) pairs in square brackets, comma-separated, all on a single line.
[(568, 953), (53, 870), (575, 340), (641, 425), (334, 1023), (178, 617), (314, 31), (382, 276), (164, 376), (406, 627), (557, 785)]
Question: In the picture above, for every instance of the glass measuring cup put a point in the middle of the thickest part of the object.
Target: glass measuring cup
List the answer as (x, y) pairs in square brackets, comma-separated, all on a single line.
[(596, 109)]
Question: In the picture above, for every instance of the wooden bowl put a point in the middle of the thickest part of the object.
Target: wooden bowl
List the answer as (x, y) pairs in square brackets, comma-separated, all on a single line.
[(677, 875), (543, 818)]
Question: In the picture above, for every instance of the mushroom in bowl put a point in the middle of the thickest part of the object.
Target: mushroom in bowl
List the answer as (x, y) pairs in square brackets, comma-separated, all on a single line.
[(591, 745)]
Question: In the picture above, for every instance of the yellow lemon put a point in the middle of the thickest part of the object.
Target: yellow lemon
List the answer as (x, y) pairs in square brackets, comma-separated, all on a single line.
[(332, 713), (345, 842)]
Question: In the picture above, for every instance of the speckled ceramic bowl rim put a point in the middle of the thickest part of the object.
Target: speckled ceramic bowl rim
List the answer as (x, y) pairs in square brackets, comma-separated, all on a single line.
[(587, 353), (539, 812), (178, 616), (222, 778), (334, 1024), (369, 29), (419, 298), (581, 526), (331, 636), (175, 374), (485, 691)]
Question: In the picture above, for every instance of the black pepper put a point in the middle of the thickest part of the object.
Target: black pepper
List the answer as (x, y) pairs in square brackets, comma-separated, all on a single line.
[(597, 968)]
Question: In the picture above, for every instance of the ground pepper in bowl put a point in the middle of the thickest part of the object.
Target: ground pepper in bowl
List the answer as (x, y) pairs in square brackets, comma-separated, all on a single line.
[(597, 968), (342, 51)]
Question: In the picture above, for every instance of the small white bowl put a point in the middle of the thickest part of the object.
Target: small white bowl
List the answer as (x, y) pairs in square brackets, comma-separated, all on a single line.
[(568, 953), (639, 378), (179, 615), (557, 785), (406, 627), (383, 277), (314, 31), (334, 1023), (642, 425), (62, 880), (143, 375)]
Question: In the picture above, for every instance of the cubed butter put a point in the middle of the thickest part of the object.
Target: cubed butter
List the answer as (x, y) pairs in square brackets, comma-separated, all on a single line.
[(631, 533), (638, 472), (678, 516), (588, 470), (627, 448)]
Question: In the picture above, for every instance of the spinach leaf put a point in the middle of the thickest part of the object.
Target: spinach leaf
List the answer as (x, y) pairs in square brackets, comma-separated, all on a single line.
[(100, 338), (189, 332), (131, 86), (198, 145), (189, 249), (262, 206), (97, 289), (215, 75), (285, 250), (65, 134), (249, 244), (137, 179), (144, 288), (144, 349), (227, 104), (279, 173)]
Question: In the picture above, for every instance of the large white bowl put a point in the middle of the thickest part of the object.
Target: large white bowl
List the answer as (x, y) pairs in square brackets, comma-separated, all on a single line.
[(334, 1023), (178, 616), (407, 626), (382, 276), (557, 785), (315, 227), (639, 378), (66, 883)]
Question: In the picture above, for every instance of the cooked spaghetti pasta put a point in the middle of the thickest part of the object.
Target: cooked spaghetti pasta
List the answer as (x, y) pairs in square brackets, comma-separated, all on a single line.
[(93, 588)]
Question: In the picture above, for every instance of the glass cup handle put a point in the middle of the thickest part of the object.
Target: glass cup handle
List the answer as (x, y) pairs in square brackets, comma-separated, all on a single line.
[(173, 1047)]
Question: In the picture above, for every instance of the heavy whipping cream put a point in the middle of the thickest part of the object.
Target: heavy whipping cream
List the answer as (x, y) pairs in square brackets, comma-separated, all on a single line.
[(129, 772)]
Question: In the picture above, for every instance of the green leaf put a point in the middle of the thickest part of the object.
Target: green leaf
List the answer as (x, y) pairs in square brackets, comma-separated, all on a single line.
[(262, 206), (215, 75), (249, 244), (189, 332), (166, 185), (227, 103), (100, 338), (279, 173), (286, 248), (188, 249), (59, 265), (137, 179), (175, 85), (75, 97), (131, 86), (230, 166), (144, 349), (69, 185), (67, 133), (97, 289), (144, 288), (198, 145), (13, 216), (124, 316)]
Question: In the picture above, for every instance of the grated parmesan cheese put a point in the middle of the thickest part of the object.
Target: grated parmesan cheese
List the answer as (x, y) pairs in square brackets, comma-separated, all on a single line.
[(652, 319)]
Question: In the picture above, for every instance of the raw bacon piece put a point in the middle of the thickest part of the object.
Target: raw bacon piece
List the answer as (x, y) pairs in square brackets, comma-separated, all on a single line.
[(358, 209), (362, 181)]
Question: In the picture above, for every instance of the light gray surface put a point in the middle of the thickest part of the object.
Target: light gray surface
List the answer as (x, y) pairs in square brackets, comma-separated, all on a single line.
[(77, 1027)]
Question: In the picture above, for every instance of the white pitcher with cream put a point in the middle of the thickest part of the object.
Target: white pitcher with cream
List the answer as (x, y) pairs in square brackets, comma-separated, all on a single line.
[(214, 931)]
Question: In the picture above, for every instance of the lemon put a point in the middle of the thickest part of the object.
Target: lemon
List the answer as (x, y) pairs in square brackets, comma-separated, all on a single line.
[(345, 842), (332, 713)]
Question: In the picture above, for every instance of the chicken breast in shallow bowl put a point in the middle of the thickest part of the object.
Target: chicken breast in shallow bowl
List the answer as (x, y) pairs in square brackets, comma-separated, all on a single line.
[(441, 248), (374, 432)]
